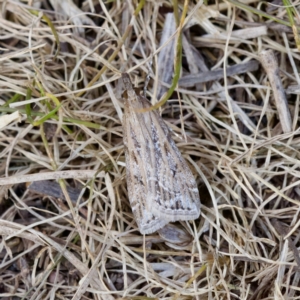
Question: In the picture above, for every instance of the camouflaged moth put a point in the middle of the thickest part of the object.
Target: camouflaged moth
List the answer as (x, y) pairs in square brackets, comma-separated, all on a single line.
[(161, 187)]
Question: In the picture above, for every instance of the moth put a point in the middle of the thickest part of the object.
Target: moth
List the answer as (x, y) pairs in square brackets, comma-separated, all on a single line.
[(161, 187)]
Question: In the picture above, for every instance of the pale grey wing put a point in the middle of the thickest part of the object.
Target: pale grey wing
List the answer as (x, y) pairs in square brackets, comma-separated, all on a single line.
[(136, 176), (172, 191)]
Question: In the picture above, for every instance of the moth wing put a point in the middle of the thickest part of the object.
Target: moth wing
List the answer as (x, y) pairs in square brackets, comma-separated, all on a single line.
[(172, 192), (136, 180)]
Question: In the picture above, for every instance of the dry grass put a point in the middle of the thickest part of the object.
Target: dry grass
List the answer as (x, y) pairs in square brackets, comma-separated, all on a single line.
[(237, 133)]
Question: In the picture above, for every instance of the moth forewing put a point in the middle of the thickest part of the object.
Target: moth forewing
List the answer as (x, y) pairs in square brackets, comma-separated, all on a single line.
[(161, 187), (176, 195), (136, 176)]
